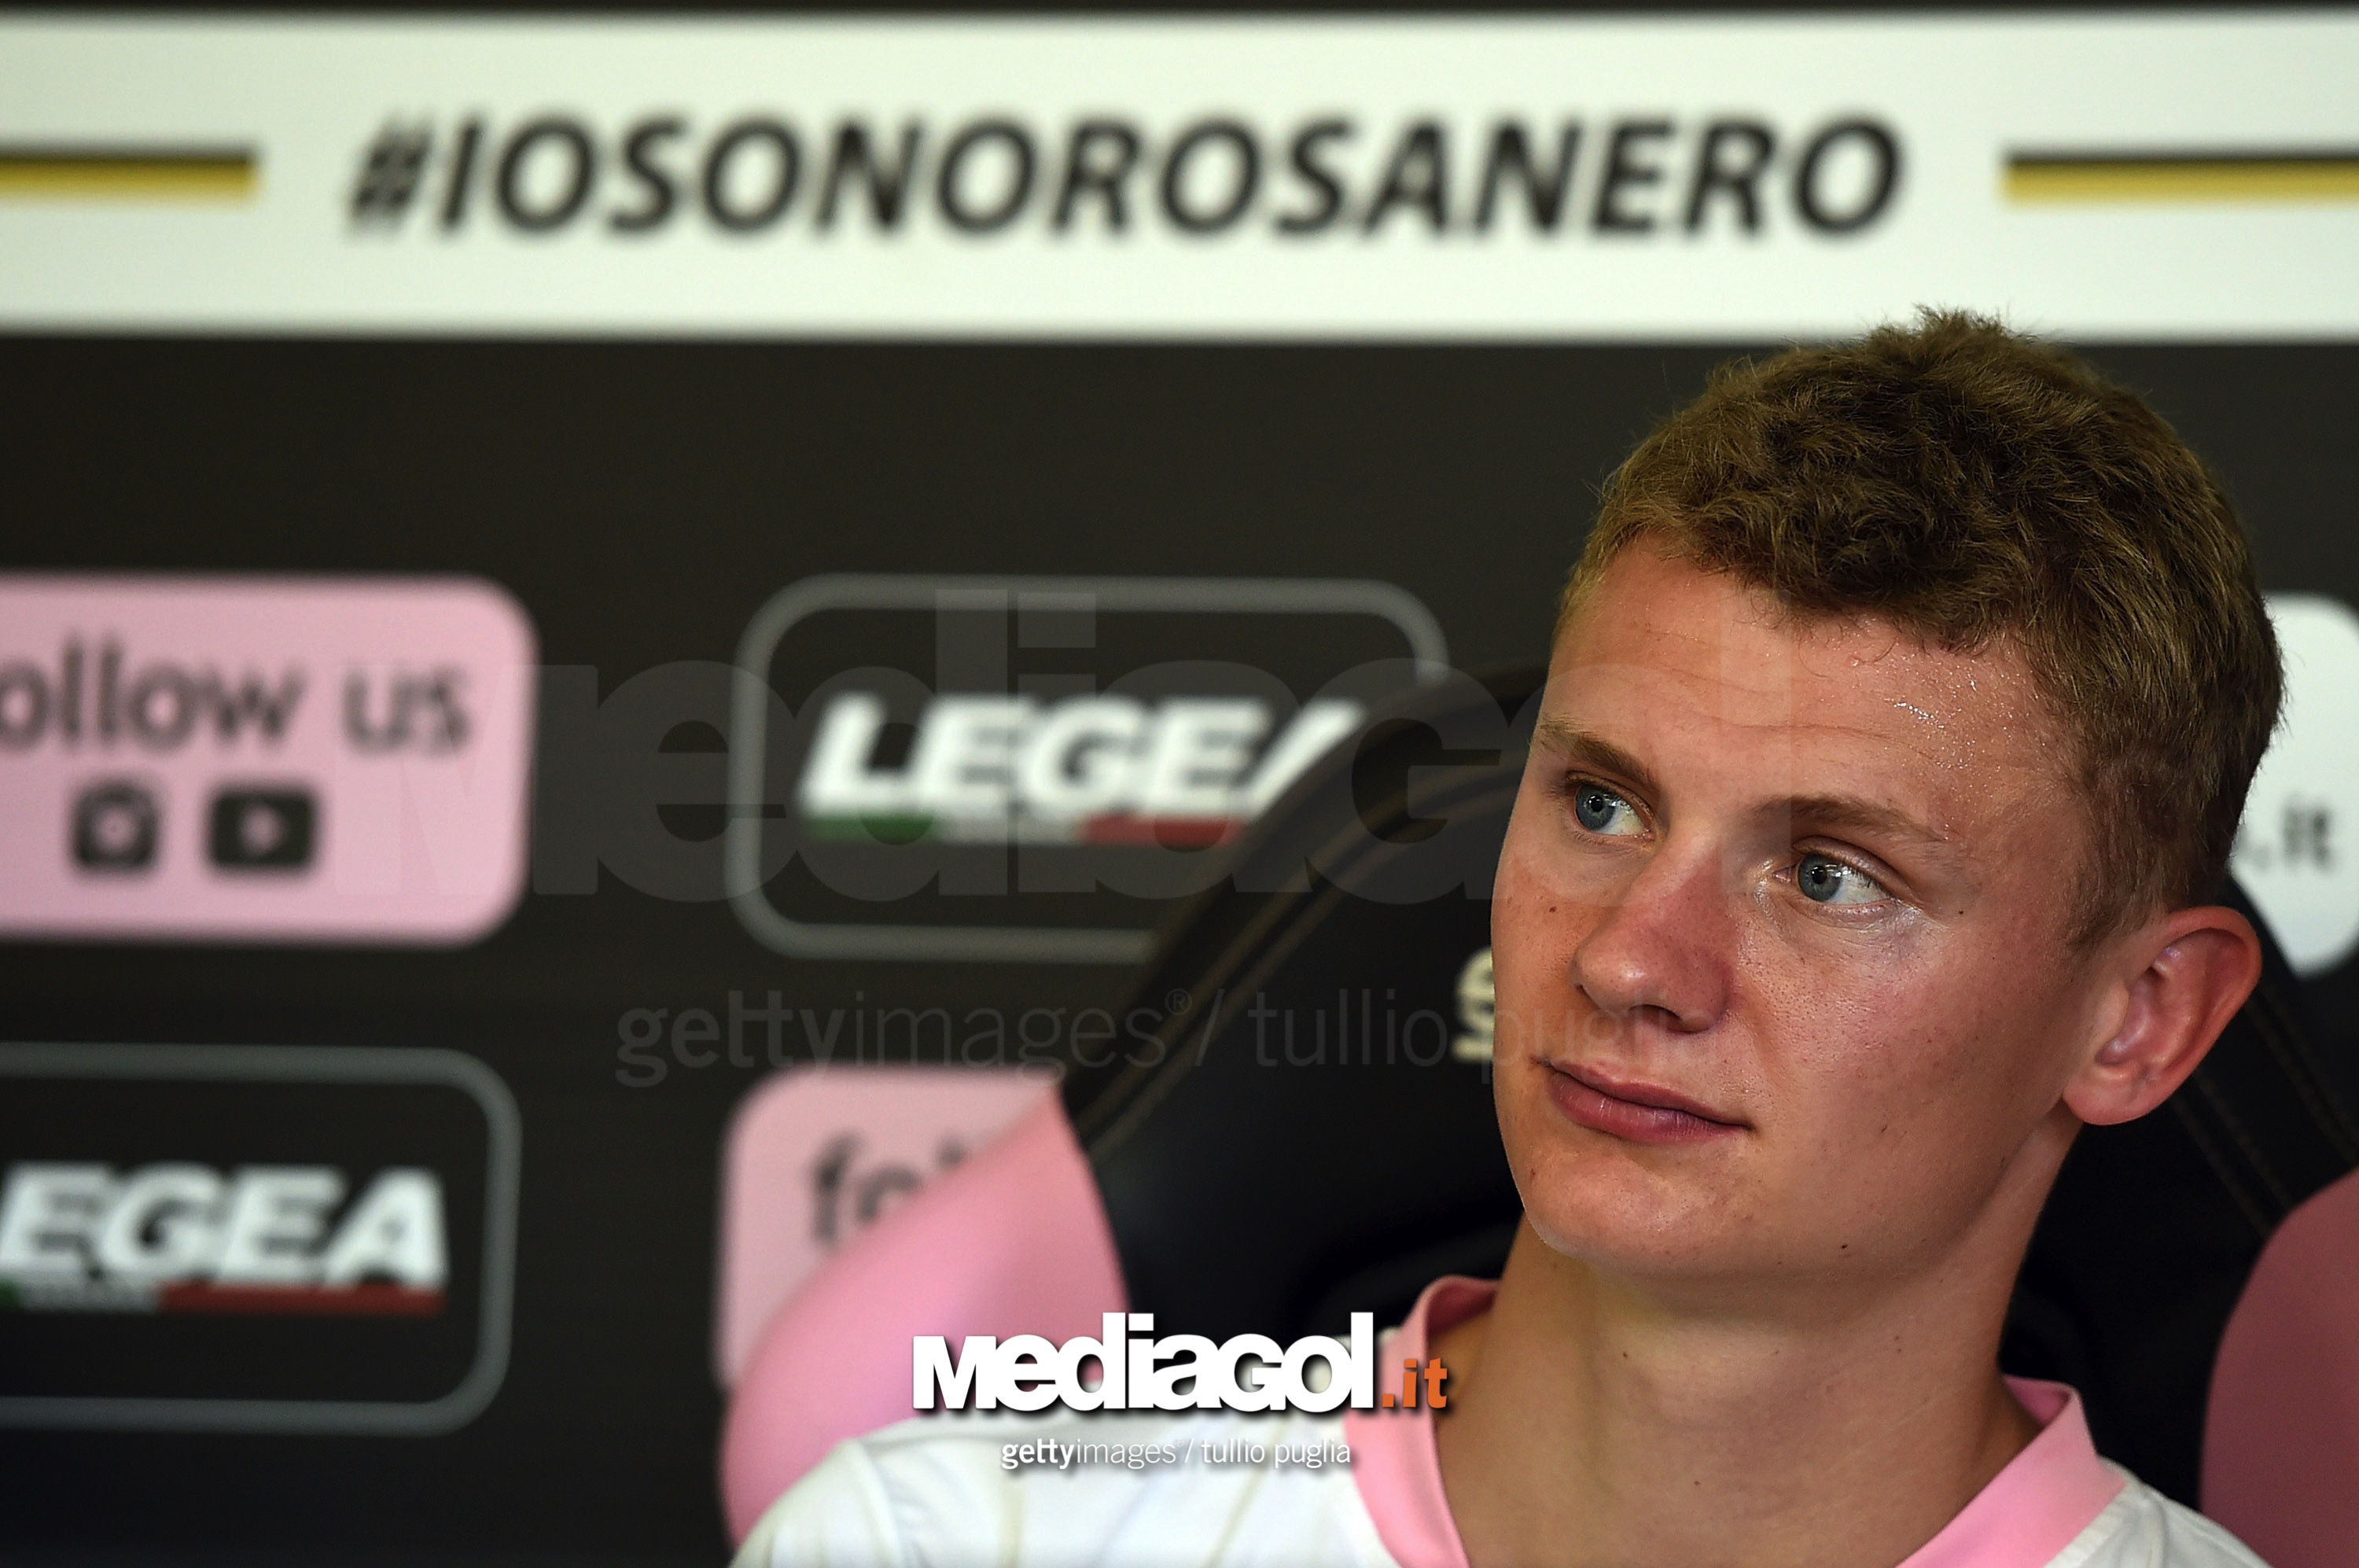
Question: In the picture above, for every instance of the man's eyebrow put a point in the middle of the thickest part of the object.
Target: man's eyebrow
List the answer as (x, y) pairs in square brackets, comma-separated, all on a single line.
[(1848, 813), (1833, 813), (1583, 749)]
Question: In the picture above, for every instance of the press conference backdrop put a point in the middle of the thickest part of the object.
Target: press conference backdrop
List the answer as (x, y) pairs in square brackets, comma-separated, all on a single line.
[(524, 537)]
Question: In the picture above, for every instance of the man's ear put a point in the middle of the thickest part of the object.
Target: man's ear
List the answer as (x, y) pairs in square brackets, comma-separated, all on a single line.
[(2187, 973)]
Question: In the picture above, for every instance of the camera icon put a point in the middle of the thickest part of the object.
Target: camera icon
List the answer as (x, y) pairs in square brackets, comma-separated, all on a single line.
[(118, 826)]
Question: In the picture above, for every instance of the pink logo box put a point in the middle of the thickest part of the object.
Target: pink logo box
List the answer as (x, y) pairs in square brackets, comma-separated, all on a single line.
[(816, 1155), (262, 759)]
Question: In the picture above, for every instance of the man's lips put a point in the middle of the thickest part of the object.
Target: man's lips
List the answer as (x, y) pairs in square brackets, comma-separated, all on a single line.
[(1629, 1108)]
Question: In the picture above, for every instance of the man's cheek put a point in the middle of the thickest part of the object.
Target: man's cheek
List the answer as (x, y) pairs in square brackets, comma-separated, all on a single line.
[(1538, 1011), (1544, 865), (1531, 957), (1548, 897), (1881, 1103), (1517, 885), (1524, 1016)]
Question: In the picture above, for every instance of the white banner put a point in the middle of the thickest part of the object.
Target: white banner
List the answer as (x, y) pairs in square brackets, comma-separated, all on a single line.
[(2165, 176)]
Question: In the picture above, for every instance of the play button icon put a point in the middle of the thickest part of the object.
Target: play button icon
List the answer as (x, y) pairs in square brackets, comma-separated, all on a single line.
[(263, 829)]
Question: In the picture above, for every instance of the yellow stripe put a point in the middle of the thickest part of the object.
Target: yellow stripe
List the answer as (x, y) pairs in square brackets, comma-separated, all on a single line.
[(35, 178), (2180, 181)]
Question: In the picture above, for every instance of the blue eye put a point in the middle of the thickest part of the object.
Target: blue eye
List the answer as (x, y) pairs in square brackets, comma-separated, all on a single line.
[(1826, 880), (1601, 811)]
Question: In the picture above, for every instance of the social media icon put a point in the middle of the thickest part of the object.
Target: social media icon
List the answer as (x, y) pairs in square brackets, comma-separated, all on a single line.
[(263, 829), (116, 826)]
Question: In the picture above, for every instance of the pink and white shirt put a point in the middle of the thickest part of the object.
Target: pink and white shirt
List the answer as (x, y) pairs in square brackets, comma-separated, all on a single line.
[(1146, 1489)]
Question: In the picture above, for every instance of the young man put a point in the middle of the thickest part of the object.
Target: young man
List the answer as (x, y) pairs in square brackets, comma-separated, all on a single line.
[(1900, 714)]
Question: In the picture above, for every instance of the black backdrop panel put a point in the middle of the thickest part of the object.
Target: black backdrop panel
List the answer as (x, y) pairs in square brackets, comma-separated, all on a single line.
[(641, 501)]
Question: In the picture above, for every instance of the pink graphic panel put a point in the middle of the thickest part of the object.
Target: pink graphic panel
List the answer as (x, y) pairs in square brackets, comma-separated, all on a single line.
[(816, 1155), (2281, 1441), (262, 759)]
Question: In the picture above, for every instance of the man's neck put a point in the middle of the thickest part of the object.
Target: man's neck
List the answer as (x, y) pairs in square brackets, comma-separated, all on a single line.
[(1590, 1424)]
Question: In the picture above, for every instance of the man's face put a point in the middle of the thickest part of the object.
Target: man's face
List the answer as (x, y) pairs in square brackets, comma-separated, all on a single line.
[(1780, 937)]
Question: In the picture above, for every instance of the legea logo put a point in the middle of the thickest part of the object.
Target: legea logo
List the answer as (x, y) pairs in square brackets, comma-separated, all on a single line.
[(1178, 1372), (176, 1236), (254, 1238), (1187, 771), (1033, 768)]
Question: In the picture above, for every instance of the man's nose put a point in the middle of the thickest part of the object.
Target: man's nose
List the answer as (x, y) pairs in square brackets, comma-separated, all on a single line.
[(1661, 953)]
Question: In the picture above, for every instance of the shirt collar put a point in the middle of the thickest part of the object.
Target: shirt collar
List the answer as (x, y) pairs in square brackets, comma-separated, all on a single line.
[(2029, 1513)]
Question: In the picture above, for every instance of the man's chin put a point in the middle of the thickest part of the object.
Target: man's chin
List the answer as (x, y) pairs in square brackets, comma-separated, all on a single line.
[(1605, 1211)]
